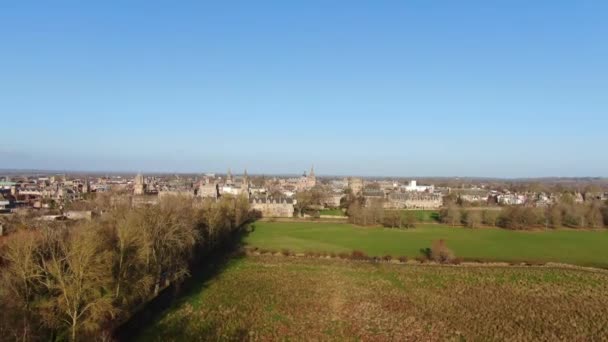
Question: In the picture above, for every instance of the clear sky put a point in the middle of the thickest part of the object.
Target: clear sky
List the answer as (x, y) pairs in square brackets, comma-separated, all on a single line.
[(404, 88)]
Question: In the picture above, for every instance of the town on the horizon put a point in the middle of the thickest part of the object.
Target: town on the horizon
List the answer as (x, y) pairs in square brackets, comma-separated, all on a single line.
[(277, 195)]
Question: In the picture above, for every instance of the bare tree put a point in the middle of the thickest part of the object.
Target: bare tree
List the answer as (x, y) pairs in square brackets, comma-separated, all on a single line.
[(77, 277), (21, 275), (473, 218)]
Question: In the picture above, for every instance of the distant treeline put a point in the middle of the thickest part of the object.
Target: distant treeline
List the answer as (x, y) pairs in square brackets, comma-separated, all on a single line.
[(78, 281), (566, 213)]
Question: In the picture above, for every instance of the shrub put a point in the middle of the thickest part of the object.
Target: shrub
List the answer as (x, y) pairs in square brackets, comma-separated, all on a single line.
[(421, 259), (286, 252), (403, 258), (440, 252), (387, 258), (426, 253), (358, 255)]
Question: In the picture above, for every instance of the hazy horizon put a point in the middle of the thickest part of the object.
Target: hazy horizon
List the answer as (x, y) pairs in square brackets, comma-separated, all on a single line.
[(479, 89)]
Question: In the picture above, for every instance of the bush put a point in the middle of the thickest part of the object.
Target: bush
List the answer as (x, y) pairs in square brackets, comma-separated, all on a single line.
[(387, 258), (286, 252), (441, 253), (421, 259), (358, 255), (426, 253), (403, 258)]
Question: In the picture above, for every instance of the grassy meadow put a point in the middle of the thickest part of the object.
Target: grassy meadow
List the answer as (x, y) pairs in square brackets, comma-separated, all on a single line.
[(580, 247), (286, 298)]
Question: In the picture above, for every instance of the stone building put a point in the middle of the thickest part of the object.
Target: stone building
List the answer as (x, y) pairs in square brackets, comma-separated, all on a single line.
[(355, 185), (175, 193), (273, 207), (208, 189), (472, 195), (140, 185), (413, 200), (333, 200), (307, 182)]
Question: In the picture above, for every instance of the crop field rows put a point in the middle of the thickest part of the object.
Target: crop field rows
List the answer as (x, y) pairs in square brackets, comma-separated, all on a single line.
[(277, 298)]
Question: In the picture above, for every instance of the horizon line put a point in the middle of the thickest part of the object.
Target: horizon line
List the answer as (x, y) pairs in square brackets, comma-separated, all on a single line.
[(73, 171)]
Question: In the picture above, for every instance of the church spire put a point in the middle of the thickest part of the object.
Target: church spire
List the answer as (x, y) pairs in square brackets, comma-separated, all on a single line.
[(312, 170)]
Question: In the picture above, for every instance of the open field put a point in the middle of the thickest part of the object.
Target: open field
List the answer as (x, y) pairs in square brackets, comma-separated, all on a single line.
[(588, 248), (285, 298)]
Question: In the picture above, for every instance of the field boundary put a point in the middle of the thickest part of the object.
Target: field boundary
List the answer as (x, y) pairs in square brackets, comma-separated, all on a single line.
[(421, 263)]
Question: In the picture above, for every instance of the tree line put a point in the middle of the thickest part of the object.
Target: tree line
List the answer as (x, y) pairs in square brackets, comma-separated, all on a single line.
[(565, 213), (374, 214), (78, 281)]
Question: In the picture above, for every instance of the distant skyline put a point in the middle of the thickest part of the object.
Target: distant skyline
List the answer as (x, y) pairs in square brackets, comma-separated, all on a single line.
[(414, 88)]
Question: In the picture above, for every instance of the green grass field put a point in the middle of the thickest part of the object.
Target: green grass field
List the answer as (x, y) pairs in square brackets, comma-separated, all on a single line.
[(266, 298), (588, 248)]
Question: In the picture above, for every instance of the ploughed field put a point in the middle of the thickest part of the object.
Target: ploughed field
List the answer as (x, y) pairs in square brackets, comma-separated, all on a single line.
[(580, 247), (294, 298)]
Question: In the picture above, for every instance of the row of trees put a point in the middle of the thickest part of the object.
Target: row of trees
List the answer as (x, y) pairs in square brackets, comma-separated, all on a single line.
[(374, 213), (78, 281), (564, 214)]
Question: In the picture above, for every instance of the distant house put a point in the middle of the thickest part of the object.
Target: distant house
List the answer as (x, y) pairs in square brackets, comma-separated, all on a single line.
[(413, 200), (273, 207), (4, 204), (472, 195), (412, 186)]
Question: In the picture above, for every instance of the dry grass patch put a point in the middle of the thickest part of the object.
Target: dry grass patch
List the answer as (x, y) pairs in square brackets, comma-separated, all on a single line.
[(277, 298)]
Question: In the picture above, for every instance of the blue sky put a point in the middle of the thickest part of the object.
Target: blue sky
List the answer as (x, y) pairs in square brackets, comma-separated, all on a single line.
[(402, 88)]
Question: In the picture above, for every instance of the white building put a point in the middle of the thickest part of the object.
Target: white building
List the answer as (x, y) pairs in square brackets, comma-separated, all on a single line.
[(413, 186)]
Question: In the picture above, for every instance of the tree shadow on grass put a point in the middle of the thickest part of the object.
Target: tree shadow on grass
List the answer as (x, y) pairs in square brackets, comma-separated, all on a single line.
[(205, 268)]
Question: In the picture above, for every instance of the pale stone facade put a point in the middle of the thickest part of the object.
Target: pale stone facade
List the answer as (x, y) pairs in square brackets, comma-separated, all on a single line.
[(208, 190), (413, 200), (356, 185), (307, 182), (140, 185), (175, 193), (270, 207)]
